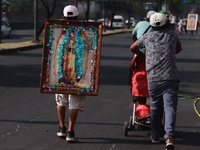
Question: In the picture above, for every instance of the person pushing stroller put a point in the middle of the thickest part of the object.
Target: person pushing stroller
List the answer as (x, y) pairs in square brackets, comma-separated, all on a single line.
[(138, 81)]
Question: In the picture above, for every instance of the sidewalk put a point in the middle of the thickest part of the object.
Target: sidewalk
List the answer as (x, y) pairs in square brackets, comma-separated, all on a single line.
[(28, 45)]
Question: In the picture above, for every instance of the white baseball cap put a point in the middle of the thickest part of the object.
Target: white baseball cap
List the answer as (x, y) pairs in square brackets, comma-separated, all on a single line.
[(151, 12), (70, 11), (157, 20)]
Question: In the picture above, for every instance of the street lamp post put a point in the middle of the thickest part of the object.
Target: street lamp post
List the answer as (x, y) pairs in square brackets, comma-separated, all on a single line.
[(139, 16), (76, 3), (35, 21), (0, 19), (104, 22)]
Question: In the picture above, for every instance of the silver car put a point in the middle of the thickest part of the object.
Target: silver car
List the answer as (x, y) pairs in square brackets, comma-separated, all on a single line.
[(118, 21)]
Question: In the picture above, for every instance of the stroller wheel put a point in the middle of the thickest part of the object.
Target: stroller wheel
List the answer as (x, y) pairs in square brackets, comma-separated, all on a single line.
[(126, 128)]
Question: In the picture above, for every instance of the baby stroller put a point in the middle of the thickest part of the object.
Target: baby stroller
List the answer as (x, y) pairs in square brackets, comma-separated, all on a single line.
[(140, 119)]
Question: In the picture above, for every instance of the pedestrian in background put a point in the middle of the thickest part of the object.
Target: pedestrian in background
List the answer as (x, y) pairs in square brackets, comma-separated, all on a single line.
[(185, 25), (180, 26), (169, 23), (172, 19), (163, 81), (76, 102), (142, 26)]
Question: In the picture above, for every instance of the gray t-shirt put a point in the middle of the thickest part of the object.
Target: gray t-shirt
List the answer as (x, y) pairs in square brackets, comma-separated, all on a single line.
[(160, 55)]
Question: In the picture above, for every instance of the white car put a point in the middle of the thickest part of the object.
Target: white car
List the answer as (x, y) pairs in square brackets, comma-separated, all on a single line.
[(118, 21), (5, 29)]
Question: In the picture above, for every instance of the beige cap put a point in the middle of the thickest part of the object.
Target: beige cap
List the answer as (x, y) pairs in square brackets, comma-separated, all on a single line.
[(157, 20)]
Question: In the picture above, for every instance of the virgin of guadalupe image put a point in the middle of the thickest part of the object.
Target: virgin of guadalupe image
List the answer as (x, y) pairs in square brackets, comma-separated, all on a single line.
[(69, 61)]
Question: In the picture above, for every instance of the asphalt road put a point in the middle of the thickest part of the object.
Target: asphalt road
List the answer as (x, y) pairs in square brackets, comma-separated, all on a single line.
[(28, 119)]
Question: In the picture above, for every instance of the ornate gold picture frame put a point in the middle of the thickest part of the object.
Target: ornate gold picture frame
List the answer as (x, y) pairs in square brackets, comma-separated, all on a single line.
[(71, 57), (192, 21)]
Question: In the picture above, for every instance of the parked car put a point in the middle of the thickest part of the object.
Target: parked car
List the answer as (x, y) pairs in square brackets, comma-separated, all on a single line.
[(118, 22), (5, 29), (132, 22), (105, 23), (91, 20)]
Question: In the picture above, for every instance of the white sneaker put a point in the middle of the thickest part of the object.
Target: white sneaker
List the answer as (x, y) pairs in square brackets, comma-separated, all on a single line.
[(61, 132)]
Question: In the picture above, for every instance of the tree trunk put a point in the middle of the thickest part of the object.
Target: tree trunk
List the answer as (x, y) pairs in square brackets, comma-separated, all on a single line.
[(49, 14), (88, 10)]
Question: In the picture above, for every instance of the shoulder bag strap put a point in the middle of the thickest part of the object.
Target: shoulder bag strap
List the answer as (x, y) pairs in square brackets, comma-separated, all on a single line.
[(147, 29)]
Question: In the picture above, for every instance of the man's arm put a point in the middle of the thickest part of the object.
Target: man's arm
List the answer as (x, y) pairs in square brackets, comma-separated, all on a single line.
[(134, 37), (135, 49)]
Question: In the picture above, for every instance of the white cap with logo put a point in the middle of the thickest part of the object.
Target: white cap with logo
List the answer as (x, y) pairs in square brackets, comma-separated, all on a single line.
[(70, 11), (157, 20)]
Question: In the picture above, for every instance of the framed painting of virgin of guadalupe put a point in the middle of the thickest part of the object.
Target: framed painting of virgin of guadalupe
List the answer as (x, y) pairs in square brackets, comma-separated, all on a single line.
[(192, 22), (71, 57)]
